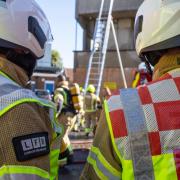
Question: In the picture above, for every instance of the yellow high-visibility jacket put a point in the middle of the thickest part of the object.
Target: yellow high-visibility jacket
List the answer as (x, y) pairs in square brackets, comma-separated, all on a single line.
[(28, 129), (138, 136)]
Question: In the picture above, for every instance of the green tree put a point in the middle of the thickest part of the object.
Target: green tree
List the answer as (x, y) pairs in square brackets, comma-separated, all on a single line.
[(56, 60)]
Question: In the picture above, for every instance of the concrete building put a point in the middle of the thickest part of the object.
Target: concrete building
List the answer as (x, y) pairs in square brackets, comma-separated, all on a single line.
[(123, 15)]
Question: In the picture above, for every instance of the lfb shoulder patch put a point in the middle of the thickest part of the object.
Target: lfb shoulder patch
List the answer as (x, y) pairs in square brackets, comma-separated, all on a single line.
[(31, 146)]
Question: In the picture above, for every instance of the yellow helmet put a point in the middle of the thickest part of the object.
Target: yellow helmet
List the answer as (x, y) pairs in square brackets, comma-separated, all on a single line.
[(81, 89), (157, 28), (91, 89)]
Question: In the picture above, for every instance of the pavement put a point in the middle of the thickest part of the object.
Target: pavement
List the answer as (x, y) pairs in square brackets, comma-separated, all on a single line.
[(71, 172), (81, 145)]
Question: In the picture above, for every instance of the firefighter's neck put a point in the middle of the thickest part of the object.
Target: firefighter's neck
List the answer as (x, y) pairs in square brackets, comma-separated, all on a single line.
[(15, 72)]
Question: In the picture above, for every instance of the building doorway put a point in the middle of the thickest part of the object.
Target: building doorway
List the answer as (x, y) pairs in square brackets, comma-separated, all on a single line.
[(49, 85)]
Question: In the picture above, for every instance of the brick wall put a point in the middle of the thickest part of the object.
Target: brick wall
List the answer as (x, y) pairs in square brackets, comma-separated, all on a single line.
[(111, 75), (40, 81)]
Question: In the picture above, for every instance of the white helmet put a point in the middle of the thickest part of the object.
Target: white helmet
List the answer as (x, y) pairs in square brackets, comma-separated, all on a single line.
[(142, 66), (157, 28), (23, 25)]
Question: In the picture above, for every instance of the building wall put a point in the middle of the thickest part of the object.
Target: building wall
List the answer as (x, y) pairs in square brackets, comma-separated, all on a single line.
[(91, 7), (40, 78), (112, 77), (124, 33), (129, 59), (123, 17), (40, 81), (69, 74)]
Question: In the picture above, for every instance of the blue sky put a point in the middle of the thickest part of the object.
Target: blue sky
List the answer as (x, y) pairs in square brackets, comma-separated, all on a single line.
[(61, 15)]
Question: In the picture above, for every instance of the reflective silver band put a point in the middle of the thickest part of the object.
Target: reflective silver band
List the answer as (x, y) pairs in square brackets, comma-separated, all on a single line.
[(22, 177), (8, 88), (12, 92), (100, 166), (138, 135)]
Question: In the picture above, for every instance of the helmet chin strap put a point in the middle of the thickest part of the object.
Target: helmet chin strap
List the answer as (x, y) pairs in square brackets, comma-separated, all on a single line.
[(148, 65)]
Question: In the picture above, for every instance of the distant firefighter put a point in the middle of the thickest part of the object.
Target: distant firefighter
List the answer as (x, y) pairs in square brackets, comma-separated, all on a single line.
[(69, 103), (106, 92), (66, 115), (142, 76), (91, 102)]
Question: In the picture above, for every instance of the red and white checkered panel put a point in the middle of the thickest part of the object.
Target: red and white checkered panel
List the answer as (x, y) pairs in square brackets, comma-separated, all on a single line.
[(125, 149), (170, 140), (161, 105), (117, 116), (144, 95), (150, 117), (164, 91), (168, 115), (175, 73), (114, 103), (118, 120), (155, 143), (177, 82)]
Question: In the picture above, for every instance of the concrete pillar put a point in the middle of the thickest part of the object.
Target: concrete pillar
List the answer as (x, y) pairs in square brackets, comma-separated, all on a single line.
[(86, 41), (124, 33)]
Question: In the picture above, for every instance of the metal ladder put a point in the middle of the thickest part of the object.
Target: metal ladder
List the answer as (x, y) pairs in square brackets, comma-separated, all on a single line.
[(97, 58)]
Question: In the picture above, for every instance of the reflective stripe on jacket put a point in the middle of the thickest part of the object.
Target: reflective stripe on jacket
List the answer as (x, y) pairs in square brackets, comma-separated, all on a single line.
[(11, 95), (145, 129), (90, 101)]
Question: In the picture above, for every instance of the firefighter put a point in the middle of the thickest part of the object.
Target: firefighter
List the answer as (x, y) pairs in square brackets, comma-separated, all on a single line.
[(66, 115), (138, 135), (106, 92), (91, 102), (142, 75), (28, 132), (79, 124)]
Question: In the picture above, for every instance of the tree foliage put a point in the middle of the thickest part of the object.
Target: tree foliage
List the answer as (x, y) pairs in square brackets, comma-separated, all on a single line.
[(56, 60)]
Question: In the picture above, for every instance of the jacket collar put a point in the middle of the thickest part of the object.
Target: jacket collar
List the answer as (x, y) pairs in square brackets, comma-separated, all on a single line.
[(14, 72)]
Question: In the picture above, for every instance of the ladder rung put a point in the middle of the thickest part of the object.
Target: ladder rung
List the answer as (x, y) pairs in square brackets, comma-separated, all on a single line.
[(94, 73), (94, 68), (103, 18), (100, 31), (96, 62), (96, 57), (99, 39), (97, 53), (101, 36), (93, 79)]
